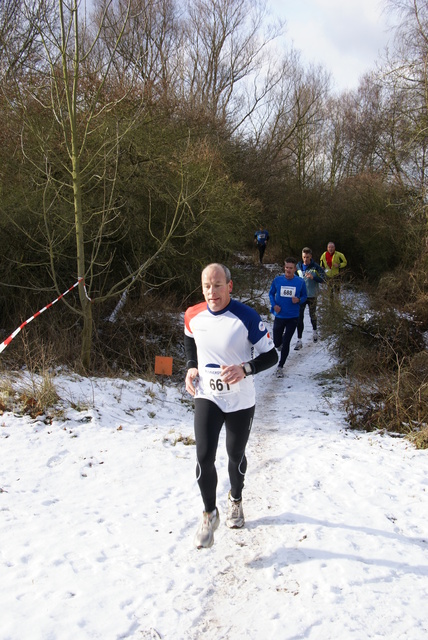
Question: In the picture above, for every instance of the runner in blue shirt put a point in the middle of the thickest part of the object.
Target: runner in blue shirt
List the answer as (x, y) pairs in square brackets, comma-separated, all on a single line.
[(261, 238), (286, 294)]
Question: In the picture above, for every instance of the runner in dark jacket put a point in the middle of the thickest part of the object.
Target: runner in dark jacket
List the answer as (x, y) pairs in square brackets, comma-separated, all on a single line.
[(313, 275)]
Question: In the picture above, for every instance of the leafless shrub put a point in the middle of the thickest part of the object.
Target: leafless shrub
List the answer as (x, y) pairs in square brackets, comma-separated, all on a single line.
[(384, 356), (396, 402)]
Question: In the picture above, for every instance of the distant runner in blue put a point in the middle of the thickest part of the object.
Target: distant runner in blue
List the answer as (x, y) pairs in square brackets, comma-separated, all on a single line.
[(261, 238), (286, 294)]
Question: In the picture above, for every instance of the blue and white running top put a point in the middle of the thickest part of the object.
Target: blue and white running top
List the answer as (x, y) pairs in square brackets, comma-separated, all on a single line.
[(226, 337)]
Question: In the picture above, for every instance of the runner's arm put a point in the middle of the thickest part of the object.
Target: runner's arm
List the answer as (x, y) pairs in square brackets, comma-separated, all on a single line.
[(303, 293), (264, 361), (191, 353), (319, 275)]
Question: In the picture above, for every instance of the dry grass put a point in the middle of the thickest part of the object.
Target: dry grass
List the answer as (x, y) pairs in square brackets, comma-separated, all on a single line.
[(420, 438), (37, 396)]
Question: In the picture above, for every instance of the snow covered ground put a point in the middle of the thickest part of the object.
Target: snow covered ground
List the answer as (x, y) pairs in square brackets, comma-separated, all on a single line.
[(98, 512)]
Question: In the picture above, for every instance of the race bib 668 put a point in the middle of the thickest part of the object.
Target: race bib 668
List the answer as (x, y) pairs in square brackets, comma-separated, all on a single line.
[(287, 292)]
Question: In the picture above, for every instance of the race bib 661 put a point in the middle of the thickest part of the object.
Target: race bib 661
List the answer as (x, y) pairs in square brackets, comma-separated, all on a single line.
[(214, 385)]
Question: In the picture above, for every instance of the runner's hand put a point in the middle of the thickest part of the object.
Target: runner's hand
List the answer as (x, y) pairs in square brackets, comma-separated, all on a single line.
[(191, 377), (232, 373)]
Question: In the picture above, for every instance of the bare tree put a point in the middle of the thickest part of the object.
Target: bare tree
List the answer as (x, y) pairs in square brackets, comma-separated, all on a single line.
[(147, 48), (404, 76), (225, 46), (294, 120), (77, 111), (354, 132), (18, 41)]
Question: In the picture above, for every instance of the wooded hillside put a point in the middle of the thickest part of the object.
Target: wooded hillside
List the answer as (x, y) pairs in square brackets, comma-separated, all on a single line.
[(141, 139)]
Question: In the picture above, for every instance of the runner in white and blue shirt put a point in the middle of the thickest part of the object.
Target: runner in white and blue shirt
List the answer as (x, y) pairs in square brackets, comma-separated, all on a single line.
[(226, 343), (234, 334)]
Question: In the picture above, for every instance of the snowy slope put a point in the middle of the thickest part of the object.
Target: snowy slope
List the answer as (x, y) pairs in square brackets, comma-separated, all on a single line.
[(99, 508)]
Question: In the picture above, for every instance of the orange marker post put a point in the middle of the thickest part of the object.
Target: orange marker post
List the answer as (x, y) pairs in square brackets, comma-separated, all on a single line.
[(163, 365)]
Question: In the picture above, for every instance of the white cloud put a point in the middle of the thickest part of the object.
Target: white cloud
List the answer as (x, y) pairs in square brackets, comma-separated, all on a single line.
[(345, 37)]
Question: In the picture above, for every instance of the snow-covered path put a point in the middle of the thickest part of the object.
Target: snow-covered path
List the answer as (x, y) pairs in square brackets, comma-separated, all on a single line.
[(335, 543), (99, 508)]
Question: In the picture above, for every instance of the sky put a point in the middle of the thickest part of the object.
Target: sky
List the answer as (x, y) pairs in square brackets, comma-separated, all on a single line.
[(99, 506), (345, 36)]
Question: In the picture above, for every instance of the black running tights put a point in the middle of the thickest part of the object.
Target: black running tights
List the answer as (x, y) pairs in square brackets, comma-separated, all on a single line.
[(209, 419)]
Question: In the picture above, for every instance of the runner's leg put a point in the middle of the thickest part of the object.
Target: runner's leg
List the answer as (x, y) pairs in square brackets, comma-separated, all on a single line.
[(238, 428), (300, 325), (312, 304), (208, 422), (290, 328), (278, 330)]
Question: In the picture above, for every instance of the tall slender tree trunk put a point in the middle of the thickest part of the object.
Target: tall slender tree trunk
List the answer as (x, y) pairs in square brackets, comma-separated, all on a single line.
[(86, 305)]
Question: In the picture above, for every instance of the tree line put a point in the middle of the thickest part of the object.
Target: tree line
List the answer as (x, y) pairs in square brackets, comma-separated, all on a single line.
[(142, 138)]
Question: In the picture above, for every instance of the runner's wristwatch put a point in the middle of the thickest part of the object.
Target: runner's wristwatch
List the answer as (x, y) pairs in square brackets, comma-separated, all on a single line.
[(248, 369)]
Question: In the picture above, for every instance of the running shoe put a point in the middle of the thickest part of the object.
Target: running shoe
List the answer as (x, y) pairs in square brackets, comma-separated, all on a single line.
[(315, 336), (298, 345), (280, 372), (235, 513), (204, 536)]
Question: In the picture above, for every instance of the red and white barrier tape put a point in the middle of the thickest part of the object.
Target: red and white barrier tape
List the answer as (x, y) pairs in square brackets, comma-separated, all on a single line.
[(4, 344)]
